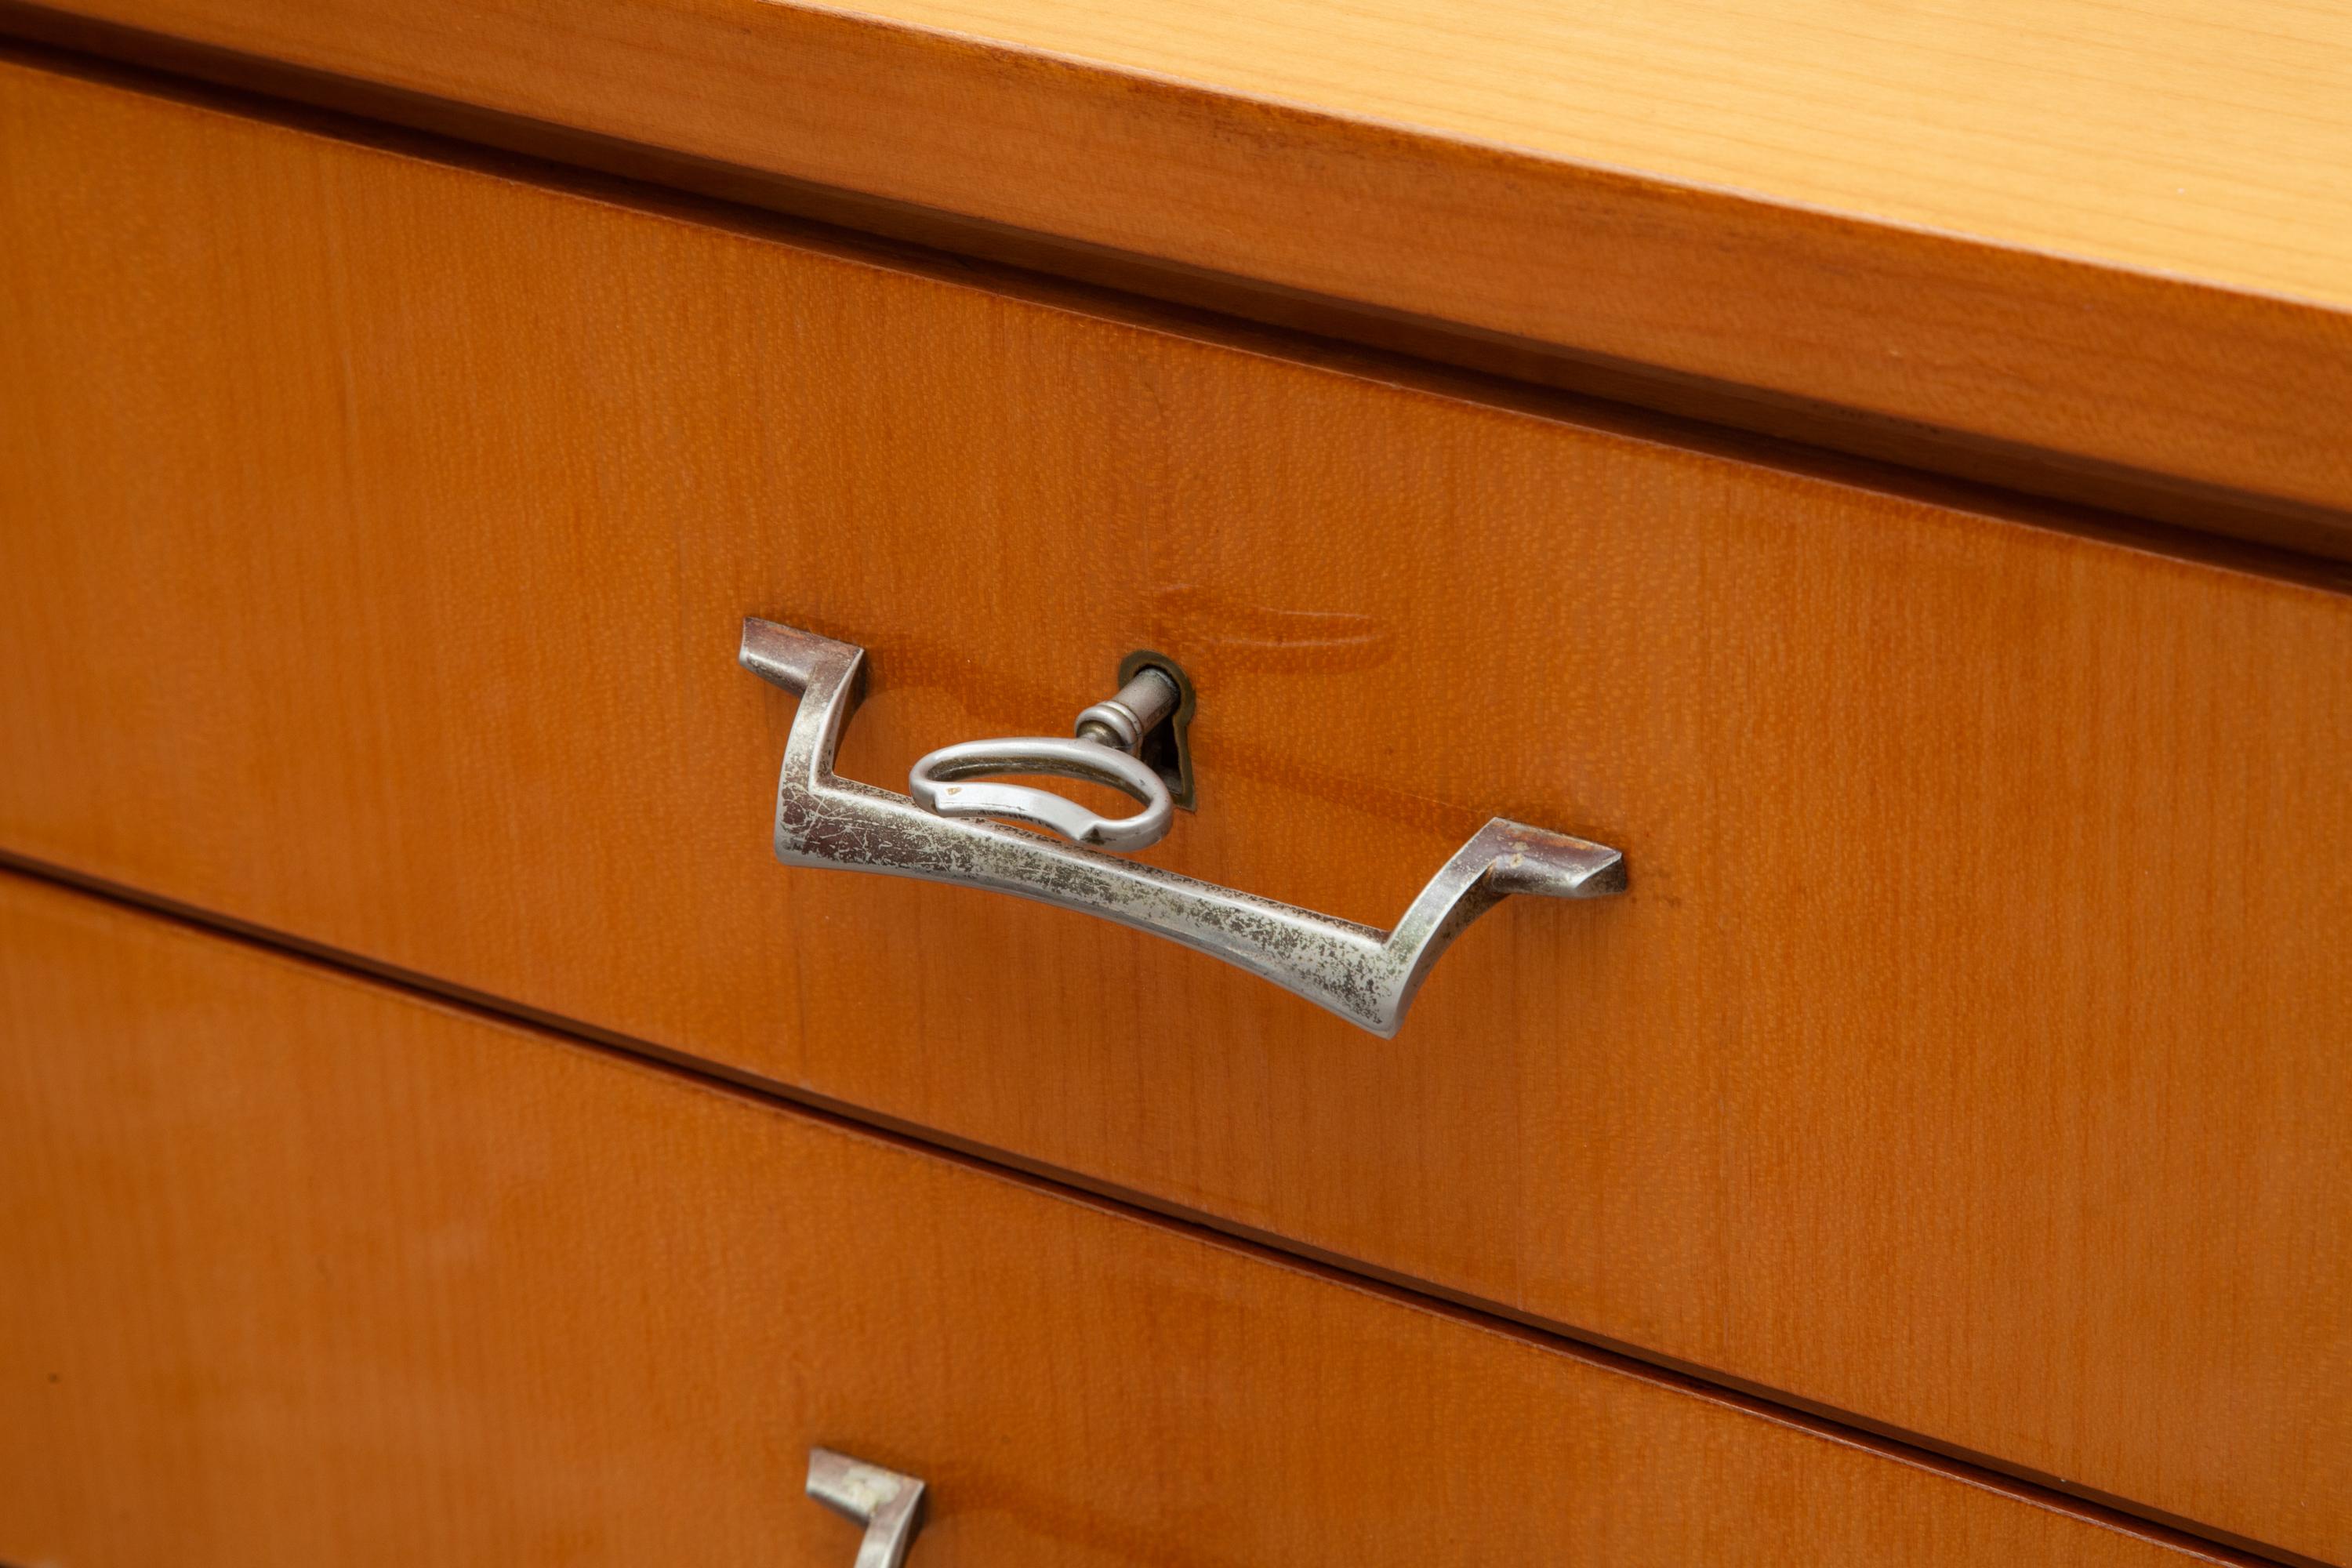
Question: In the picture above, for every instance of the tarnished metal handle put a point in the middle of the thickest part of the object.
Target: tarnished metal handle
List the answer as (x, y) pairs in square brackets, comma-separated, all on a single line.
[(889, 1505), (1366, 976)]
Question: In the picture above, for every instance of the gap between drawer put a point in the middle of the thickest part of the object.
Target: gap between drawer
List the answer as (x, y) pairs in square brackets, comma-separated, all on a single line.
[(1835, 1425)]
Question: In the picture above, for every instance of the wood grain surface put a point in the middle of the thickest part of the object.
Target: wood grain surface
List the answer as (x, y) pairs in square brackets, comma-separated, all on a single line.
[(301, 1271), (2180, 136), (2119, 237), (1971, 1056)]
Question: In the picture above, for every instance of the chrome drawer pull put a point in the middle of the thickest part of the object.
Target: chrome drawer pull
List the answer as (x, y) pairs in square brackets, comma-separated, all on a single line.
[(889, 1505), (1365, 975)]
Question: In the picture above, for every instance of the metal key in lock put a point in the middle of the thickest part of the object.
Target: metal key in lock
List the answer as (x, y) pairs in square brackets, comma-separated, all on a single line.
[(1109, 737)]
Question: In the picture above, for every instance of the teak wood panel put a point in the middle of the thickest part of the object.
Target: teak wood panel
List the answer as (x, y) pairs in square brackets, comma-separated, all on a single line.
[(2063, 236), (1970, 1055), (304, 1270)]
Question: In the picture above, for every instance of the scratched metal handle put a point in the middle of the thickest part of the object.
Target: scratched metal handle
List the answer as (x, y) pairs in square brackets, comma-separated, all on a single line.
[(889, 1505), (1365, 975)]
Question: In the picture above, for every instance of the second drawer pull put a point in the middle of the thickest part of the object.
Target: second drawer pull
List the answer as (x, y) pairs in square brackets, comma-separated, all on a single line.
[(889, 1505), (1366, 976)]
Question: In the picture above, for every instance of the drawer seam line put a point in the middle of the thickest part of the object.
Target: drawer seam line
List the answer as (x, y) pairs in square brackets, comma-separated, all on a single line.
[(1828, 1422)]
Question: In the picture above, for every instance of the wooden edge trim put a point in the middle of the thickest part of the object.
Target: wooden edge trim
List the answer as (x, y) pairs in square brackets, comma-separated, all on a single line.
[(2224, 530), (1867, 336)]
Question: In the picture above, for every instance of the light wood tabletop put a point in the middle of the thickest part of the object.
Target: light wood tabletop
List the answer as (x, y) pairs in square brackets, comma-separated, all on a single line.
[(2190, 137)]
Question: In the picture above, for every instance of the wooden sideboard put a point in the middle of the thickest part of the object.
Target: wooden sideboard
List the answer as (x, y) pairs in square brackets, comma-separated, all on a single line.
[(440, 1129)]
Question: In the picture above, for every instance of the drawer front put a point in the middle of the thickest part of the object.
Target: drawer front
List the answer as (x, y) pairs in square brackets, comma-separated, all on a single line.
[(1971, 1054), (306, 1270)]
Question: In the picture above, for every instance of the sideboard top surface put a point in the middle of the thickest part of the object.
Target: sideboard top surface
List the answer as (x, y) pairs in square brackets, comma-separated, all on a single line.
[(2184, 137)]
